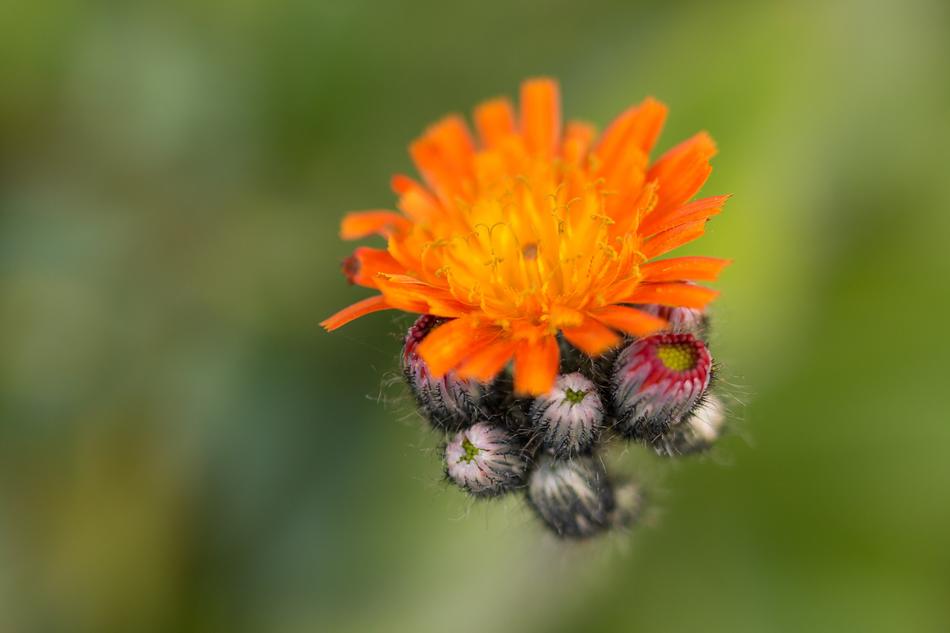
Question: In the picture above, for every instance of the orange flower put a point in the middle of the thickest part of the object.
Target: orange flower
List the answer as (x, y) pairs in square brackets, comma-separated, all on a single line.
[(533, 230)]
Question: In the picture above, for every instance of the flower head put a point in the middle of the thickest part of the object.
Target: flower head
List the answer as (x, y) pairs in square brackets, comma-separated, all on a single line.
[(535, 229)]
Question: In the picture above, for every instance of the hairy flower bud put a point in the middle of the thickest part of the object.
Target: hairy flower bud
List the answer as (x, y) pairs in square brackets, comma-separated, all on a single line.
[(656, 381), (681, 320), (567, 419), (573, 497), (448, 402), (628, 505), (485, 460), (697, 432)]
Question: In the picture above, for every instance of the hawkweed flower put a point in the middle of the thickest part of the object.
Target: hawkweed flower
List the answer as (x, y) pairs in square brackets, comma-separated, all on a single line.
[(697, 432), (485, 460), (567, 420), (573, 497), (448, 402), (534, 229), (536, 253), (657, 381)]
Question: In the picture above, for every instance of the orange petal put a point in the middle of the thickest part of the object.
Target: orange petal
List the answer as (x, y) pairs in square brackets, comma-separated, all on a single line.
[(682, 171), (407, 252), (355, 311), (487, 362), (684, 268), (627, 216), (443, 156), (625, 175), (418, 203), (402, 297), (696, 210), (669, 239), (637, 128), (541, 116), (674, 294), (629, 320), (412, 295), (495, 121), (591, 337), (536, 365), (362, 266), (580, 131), (578, 136), (622, 157), (359, 224), (449, 344)]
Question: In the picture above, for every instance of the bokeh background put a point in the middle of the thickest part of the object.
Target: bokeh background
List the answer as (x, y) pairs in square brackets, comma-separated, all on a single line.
[(183, 449)]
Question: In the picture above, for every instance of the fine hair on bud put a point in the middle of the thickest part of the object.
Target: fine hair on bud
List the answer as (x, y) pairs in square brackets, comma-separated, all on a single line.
[(485, 460), (567, 420), (656, 381), (697, 432), (573, 497), (449, 402)]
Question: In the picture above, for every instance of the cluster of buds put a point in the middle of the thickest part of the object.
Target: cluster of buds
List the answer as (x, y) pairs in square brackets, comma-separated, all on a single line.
[(654, 391)]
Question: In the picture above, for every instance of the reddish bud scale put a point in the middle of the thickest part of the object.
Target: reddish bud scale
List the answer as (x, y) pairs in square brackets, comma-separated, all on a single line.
[(656, 381), (448, 402)]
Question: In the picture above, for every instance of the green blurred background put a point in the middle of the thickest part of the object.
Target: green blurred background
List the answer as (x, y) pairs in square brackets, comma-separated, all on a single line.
[(183, 449)]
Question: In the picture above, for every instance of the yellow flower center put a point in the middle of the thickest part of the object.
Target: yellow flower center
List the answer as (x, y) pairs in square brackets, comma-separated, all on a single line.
[(677, 356), (531, 243)]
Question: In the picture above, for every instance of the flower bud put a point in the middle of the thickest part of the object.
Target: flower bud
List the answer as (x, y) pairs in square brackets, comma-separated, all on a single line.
[(697, 432), (628, 505), (656, 381), (485, 460), (448, 402), (681, 320), (573, 497), (567, 419)]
